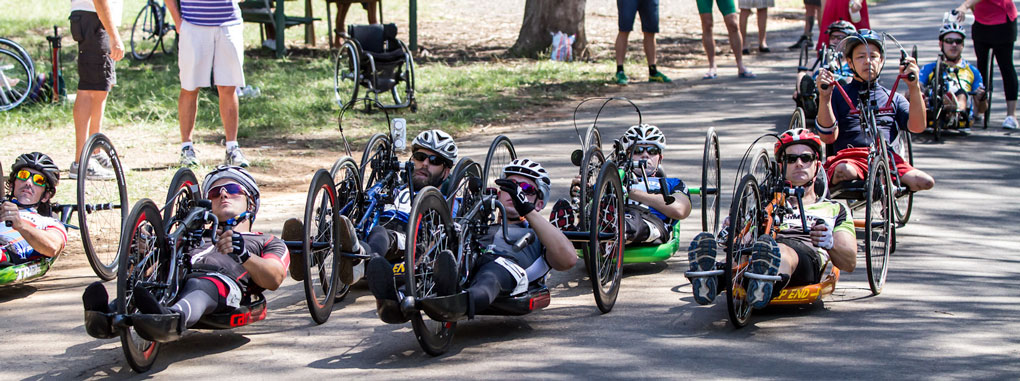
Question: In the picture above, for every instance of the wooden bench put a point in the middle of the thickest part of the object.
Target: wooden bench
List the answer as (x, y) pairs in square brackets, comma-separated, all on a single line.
[(259, 11)]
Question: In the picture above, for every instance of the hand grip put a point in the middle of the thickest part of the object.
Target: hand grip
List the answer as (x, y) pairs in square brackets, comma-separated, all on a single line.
[(526, 240), (664, 187), (824, 86)]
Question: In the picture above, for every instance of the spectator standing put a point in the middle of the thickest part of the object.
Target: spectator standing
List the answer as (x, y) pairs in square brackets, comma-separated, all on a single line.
[(94, 27), (649, 11), (812, 11), (211, 44), (729, 12), (994, 31), (762, 7)]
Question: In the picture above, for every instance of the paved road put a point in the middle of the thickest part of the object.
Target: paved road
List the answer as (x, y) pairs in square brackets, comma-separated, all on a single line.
[(949, 310)]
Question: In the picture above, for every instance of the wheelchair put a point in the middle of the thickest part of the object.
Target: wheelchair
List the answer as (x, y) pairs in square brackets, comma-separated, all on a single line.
[(373, 61), (101, 208), (940, 117)]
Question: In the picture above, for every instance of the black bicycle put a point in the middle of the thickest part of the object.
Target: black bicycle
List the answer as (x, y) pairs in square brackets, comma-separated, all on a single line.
[(151, 30)]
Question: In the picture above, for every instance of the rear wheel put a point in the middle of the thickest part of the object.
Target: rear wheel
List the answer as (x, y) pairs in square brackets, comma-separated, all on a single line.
[(591, 164), (904, 197), (429, 230), (145, 261), (710, 183), (21, 53), (501, 152), (15, 79), (346, 74), (180, 198), (878, 224), (145, 33), (102, 206), (320, 246), (378, 150), (989, 90), (605, 246), (347, 182), (798, 119), (745, 226), (170, 37)]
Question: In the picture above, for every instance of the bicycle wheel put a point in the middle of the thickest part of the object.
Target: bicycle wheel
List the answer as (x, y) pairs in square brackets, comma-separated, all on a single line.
[(904, 197), (145, 33), (377, 151), (710, 183), (144, 261), (798, 119), (501, 152), (15, 80), (403, 91), (102, 206), (989, 86), (25, 57), (182, 195), (429, 231), (169, 40), (320, 246), (605, 254), (346, 74), (591, 164), (347, 182), (878, 224), (745, 226)]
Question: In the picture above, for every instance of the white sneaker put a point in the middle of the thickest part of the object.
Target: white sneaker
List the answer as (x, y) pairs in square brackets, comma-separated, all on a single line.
[(189, 157), (235, 157), (94, 171), (103, 160), (269, 44), (1009, 123), (248, 92)]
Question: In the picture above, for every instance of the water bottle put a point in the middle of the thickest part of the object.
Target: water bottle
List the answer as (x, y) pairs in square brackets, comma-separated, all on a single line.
[(855, 16), (399, 134)]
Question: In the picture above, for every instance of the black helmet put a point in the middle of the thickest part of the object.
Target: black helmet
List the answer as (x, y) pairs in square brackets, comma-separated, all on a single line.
[(842, 26), (39, 162)]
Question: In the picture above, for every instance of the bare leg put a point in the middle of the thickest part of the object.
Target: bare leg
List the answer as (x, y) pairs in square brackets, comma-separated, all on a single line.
[(736, 41), (89, 107), (649, 48), (708, 41), (1011, 108), (744, 14), (917, 180), (621, 47), (373, 13), (763, 17), (844, 172), (228, 111), (187, 107)]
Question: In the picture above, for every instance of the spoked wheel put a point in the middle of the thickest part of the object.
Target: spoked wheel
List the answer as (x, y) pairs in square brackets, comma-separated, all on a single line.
[(604, 259), (21, 53), (145, 33), (760, 165), (403, 91), (745, 226), (591, 164), (170, 37), (346, 74), (320, 246), (15, 79), (378, 149), (102, 206), (144, 260), (180, 198), (347, 182), (501, 152), (464, 187), (878, 224), (429, 231), (710, 183), (904, 197), (798, 119), (989, 90)]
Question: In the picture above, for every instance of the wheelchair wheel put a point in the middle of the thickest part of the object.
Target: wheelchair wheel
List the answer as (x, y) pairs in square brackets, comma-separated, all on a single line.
[(378, 149), (501, 152), (604, 259), (145, 260), (346, 74), (989, 88), (102, 206), (745, 226), (878, 224), (180, 198), (145, 33), (798, 119), (347, 182), (591, 164), (321, 246), (403, 91), (710, 183), (428, 231), (17, 79)]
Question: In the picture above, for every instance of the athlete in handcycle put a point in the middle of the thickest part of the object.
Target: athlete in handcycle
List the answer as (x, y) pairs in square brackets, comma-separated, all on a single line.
[(779, 238), (828, 57), (28, 233), (953, 88), (195, 266)]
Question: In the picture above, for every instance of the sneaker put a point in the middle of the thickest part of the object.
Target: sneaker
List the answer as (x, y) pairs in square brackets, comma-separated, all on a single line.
[(348, 244), (1009, 123), (235, 157), (269, 44), (379, 272), (248, 92), (659, 77), (189, 158), (979, 118), (701, 255), (444, 273), (562, 215), (94, 171), (804, 39), (292, 231), (621, 78), (765, 260), (103, 160)]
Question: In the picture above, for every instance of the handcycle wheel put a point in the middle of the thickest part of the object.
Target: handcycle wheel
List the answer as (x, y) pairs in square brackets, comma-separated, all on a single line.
[(25, 57), (745, 226), (464, 187), (878, 224), (989, 88), (15, 79), (347, 183), (428, 230), (180, 198), (403, 91), (760, 165), (346, 74), (604, 259), (102, 206), (798, 119), (710, 183), (377, 150), (501, 152), (591, 164), (168, 29), (144, 260), (145, 33), (904, 200), (321, 247)]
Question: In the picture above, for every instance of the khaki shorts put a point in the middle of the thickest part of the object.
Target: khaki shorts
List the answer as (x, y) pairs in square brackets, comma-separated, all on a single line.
[(210, 51)]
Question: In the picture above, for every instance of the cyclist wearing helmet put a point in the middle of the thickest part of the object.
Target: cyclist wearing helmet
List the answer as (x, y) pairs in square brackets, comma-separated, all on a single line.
[(795, 255), (837, 32), (649, 220), (501, 271), (962, 79), (33, 233), (224, 275), (844, 132)]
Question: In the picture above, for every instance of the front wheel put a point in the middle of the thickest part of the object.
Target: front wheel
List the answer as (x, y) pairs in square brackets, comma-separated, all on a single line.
[(102, 205), (501, 152), (745, 226), (347, 182), (145, 33), (710, 183), (878, 224), (605, 246), (429, 231), (145, 260), (320, 246)]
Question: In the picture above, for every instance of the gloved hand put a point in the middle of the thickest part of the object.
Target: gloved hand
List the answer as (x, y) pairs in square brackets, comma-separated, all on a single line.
[(520, 200), (821, 235), (237, 248)]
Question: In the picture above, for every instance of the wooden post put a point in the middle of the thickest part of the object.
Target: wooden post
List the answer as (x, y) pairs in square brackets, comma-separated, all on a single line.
[(310, 26)]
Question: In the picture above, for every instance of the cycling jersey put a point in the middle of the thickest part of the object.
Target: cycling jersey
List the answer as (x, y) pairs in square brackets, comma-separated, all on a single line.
[(16, 247), (963, 75), (531, 258), (835, 215), (206, 259), (674, 185), (401, 207), (851, 131)]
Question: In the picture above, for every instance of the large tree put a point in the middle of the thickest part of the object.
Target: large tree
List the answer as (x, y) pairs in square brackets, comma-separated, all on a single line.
[(543, 17)]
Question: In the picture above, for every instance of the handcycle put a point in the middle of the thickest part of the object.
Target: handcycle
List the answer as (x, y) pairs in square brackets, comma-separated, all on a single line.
[(807, 95), (17, 74), (151, 30), (940, 117), (101, 208), (373, 59)]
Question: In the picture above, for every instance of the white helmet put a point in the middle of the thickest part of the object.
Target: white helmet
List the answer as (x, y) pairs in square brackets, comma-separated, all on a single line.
[(644, 134), (438, 142), (951, 27), (532, 170)]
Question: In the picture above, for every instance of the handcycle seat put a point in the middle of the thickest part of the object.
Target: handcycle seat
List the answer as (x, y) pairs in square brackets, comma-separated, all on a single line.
[(448, 308), (163, 327), (849, 190), (245, 314)]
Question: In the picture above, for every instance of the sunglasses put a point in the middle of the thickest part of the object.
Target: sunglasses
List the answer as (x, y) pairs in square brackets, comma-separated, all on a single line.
[(231, 189), (37, 179), (953, 41), (433, 159), (806, 158), (527, 188), (651, 150)]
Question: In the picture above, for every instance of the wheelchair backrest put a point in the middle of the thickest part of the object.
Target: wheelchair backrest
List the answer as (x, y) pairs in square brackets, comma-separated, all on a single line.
[(375, 38)]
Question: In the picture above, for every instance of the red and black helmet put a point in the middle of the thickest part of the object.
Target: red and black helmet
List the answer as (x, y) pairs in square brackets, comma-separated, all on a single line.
[(798, 136)]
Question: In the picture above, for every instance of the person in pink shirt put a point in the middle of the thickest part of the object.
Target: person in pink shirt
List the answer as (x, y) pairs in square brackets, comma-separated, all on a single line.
[(854, 11), (994, 31)]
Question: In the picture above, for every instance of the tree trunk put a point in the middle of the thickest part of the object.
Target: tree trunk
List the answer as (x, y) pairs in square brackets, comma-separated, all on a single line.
[(544, 17)]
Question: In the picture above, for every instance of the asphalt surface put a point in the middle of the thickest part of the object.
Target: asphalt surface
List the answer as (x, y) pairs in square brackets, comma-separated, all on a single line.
[(948, 311)]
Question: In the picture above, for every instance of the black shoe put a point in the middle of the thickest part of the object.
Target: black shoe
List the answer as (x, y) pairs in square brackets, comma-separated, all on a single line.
[(804, 39), (444, 273), (389, 312), (98, 321), (746, 51), (95, 298), (292, 231), (147, 303), (379, 272), (764, 50)]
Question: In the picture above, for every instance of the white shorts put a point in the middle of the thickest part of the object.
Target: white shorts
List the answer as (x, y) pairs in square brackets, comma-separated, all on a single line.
[(216, 51)]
